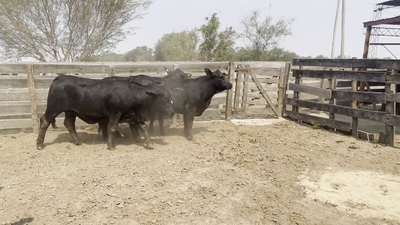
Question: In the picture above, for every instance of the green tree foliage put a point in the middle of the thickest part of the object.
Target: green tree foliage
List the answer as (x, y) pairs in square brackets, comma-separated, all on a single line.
[(108, 57), (141, 53), (280, 54), (65, 30), (180, 46), (321, 57), (216, 45), (264, 35)]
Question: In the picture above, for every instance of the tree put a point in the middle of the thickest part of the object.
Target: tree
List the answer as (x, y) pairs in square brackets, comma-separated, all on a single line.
[(216, 46), (280, 54), (264, 35), (141, 53), (179, 46), (65, 30), (108, 57)]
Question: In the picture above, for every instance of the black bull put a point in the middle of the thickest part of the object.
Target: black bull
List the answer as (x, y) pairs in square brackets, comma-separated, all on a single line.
[(191, 97), (95, 101)]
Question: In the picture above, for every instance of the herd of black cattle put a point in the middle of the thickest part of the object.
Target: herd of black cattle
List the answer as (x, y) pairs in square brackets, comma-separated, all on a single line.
[(133, 100)]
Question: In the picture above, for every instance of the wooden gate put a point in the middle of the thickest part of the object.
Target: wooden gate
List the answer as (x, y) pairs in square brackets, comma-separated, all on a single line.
[(244, 76)]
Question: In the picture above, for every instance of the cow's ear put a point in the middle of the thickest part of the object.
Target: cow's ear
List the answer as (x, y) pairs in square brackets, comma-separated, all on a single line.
[(209, 72), (153, 94), (167, 70)]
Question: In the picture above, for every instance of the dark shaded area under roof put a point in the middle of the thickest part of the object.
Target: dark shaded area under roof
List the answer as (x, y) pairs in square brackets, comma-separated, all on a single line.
[(390, 3), (387, 21)]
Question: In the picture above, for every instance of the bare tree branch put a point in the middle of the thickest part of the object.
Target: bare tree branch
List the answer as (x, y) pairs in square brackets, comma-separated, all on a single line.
[(264, 35), (65, 30)]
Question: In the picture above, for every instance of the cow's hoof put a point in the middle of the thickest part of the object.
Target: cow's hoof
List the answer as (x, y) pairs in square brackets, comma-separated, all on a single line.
[(190, 137), (78, 143), (148, 145), (162, 133), (40, 146), (112, 148)]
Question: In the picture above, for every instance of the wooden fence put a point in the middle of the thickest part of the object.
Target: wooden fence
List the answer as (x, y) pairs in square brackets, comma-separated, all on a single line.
[(24, 87), (353, 70)]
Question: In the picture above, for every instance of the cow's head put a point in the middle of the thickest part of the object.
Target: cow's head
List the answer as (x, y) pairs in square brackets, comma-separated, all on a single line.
[(176, 74), (162, 101), (219, 80)]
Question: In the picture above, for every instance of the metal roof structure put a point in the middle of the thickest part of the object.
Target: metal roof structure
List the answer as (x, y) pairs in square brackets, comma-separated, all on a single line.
[(390, 3)]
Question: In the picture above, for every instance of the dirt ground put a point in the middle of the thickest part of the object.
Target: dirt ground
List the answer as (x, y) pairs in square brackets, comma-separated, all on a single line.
[(284, 173)]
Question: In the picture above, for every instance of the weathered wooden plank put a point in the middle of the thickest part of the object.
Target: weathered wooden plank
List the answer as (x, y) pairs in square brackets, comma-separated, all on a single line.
[(345, 75), (263, 92), (70, 68), (393, 120), (140, 69), (393, 97), (349, 63), (20, 107), (266, 71), (13, 68), (238, 88), (326, 93), (393, 79), (33, 99), (283, 81), (335, 124), (245, 89), (21, 94), (375, 97), (341, 110), (390, 110), (229, 94)]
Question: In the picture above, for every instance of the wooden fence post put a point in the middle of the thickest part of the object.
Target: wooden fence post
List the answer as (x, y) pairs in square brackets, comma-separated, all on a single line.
[(176, 116), (32, 97), (296, 94), (238, 88), (228, 106), (245, 88), (390, 129), (354, 120), (282, 86), (111, 71)]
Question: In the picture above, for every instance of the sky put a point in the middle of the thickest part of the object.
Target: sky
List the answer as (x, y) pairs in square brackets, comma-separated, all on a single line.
[(312, 28)]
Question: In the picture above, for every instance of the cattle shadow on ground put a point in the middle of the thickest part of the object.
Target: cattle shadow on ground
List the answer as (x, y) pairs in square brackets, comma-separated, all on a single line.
[(1, 188), (178, 131), (97, 139), (22, 221)]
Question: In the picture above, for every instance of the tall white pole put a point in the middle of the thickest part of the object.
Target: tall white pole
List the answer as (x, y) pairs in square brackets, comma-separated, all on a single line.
[(334, 30), (343, 28)]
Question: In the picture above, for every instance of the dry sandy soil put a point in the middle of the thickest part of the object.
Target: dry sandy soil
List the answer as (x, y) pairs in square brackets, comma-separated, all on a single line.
[(284, 173)]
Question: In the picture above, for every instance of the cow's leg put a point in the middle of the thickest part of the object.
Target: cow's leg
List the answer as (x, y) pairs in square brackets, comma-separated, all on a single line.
[(135, 132), (151, 126), (188, 117), (161, 124), (53, 124), (103, 128), (147, 142), (44, 124), (69, 123), (112, 128)]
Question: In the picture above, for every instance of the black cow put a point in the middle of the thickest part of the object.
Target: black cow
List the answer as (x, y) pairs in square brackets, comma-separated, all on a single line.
[(194, 96), (174, 78), (95, 101)]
